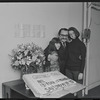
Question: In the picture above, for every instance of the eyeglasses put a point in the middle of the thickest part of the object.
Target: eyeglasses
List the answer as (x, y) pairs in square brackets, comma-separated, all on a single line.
[(63, 35)]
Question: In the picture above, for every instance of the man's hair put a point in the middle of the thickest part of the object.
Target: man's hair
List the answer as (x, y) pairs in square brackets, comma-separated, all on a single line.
[(77, 34), (65, 29)]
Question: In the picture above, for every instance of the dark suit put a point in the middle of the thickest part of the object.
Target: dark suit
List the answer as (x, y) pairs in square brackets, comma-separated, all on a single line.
[(63, 54)]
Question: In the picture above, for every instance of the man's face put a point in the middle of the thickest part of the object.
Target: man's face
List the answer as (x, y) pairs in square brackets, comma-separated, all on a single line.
[(63, 36)]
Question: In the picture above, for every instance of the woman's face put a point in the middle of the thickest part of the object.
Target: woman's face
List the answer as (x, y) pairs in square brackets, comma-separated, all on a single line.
[(72, 34)]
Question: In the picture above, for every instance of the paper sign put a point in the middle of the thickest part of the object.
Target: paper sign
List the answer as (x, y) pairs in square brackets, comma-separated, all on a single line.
[(47, 83)]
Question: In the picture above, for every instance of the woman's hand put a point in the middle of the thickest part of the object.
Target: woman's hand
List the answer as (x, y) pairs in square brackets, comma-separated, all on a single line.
[(49, 57), (80, 76), (57, 45)]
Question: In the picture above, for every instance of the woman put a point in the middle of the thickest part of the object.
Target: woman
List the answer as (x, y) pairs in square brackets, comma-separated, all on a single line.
[(76, 56), (51, 54)]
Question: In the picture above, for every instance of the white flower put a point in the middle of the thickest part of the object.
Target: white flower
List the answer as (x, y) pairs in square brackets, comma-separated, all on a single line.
[(19, 57), (25, 52), (13, 58), (23, 62), (20, 62), (28, 57), (34, 58), (16, 63), (37, 63), (28, 62), (29, 47)]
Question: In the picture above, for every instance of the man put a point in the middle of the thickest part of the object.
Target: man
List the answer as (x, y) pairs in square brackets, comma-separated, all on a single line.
[(62, 51)]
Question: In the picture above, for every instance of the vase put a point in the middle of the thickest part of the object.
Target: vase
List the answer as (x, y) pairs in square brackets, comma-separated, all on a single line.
[(21, 74), (21, 77)]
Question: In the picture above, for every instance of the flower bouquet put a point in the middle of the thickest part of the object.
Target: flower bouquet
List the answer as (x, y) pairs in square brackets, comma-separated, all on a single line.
[(28, 58)]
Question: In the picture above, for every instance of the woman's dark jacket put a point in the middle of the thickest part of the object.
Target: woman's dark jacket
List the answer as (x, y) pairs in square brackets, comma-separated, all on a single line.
[(76, 55), (61, 54)]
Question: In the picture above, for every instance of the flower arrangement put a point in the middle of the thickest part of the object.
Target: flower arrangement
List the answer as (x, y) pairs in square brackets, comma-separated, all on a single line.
[(27, 58)]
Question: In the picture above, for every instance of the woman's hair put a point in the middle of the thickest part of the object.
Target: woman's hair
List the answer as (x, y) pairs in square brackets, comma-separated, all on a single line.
[(51, 47), (65, 29), (52, 44), (76, 32), (54, 40)]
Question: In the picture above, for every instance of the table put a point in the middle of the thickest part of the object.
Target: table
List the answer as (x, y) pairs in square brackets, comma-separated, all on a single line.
[(16, 89)]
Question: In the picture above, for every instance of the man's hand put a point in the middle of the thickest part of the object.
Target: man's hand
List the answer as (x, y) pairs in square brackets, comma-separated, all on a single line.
[(80, 76)]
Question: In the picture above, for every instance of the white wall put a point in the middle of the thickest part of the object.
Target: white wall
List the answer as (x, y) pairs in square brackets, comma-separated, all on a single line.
[(94, 49), (52, 15)]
